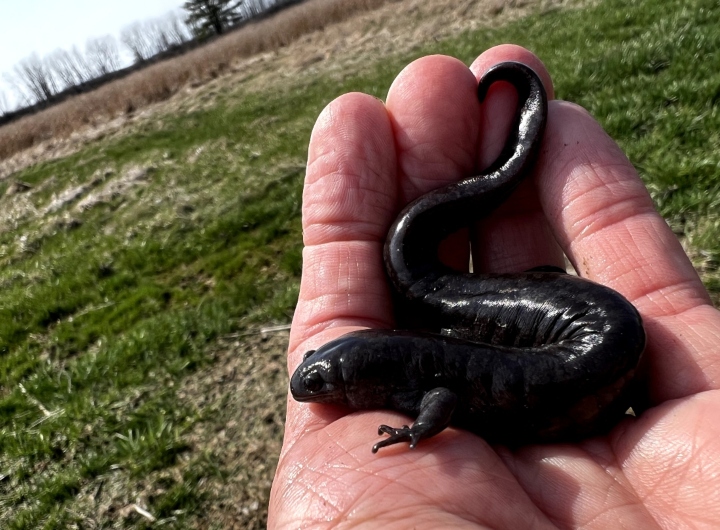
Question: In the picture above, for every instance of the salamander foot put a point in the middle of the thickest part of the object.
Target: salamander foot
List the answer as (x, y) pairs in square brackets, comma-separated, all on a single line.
[(403, 434), (436, 409)]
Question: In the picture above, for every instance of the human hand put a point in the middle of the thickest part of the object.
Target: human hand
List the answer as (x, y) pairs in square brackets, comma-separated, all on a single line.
[(366, 160)]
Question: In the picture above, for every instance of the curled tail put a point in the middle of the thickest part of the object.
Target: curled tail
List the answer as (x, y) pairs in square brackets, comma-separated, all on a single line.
[(411, 246)]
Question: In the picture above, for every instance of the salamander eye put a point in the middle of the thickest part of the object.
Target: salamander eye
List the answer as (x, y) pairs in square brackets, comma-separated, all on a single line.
[(308, 354), (314, 382)]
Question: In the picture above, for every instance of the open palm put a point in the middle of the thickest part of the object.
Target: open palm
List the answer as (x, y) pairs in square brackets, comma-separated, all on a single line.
[(366, 160)]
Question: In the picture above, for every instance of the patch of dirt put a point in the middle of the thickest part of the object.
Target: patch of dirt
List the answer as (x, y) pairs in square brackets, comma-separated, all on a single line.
[(348, 46), (132, 177), (25, 203)]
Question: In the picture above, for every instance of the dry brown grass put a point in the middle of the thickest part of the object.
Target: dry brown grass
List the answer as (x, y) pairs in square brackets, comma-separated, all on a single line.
[(160, 81), (317, 37)]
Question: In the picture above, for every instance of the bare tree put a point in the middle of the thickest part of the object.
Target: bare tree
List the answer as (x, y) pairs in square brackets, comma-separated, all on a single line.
[(70, 68), (252, 8), (35, 79), (176, 29), (249, 9), (137, 40), (21, 97), (85, 69), (145, 39), (156, 35), (165, 32), (102, 55), (4, 105)]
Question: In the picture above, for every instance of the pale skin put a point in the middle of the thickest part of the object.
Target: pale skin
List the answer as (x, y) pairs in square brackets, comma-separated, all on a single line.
[(368, 158)]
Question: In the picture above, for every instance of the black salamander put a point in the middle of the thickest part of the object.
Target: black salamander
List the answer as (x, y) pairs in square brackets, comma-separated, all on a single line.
[(538, 356)]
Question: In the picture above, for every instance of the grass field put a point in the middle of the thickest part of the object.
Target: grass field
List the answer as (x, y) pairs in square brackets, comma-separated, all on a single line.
[(136, 271)]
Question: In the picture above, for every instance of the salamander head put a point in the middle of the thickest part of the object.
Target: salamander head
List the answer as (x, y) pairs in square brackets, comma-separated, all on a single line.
[(318, 379), (362, 370)]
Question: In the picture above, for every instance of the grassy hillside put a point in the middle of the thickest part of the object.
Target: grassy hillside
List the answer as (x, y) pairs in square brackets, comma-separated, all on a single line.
[(135, 271)]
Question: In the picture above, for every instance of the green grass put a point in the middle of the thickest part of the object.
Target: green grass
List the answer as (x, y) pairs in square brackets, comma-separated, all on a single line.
[(104, 312)]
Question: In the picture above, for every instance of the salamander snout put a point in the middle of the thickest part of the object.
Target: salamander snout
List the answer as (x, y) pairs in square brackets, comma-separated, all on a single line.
[(317, 380)]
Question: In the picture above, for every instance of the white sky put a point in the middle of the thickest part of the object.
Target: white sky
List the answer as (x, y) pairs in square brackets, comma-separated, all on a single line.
[(42, 26)]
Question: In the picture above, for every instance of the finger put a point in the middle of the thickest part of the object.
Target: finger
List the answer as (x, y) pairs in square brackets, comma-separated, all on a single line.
[(605, 220), (517, 235), (348, 203), (433, 106)]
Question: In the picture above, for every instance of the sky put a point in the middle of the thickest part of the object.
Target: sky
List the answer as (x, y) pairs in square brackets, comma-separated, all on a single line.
[(42, 26)]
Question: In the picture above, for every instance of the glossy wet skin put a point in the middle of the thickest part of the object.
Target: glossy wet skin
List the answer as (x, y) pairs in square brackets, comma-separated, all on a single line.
[(515, 358), (318, 381)]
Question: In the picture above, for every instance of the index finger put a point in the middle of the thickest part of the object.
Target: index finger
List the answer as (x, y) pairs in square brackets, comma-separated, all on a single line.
[(348, 203)]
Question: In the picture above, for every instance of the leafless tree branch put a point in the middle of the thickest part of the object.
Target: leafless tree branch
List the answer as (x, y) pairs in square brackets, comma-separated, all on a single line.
[(36, 78), (70, 68), (103, 55)]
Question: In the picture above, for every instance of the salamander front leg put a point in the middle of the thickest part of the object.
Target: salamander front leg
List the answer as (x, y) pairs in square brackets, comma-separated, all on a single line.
[(436, 410)]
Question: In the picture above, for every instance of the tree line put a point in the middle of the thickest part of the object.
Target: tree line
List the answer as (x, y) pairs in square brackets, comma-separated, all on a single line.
[(36, 80)]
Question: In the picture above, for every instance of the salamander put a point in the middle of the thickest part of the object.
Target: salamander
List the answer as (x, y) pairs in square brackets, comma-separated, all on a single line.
[(519, 358)]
